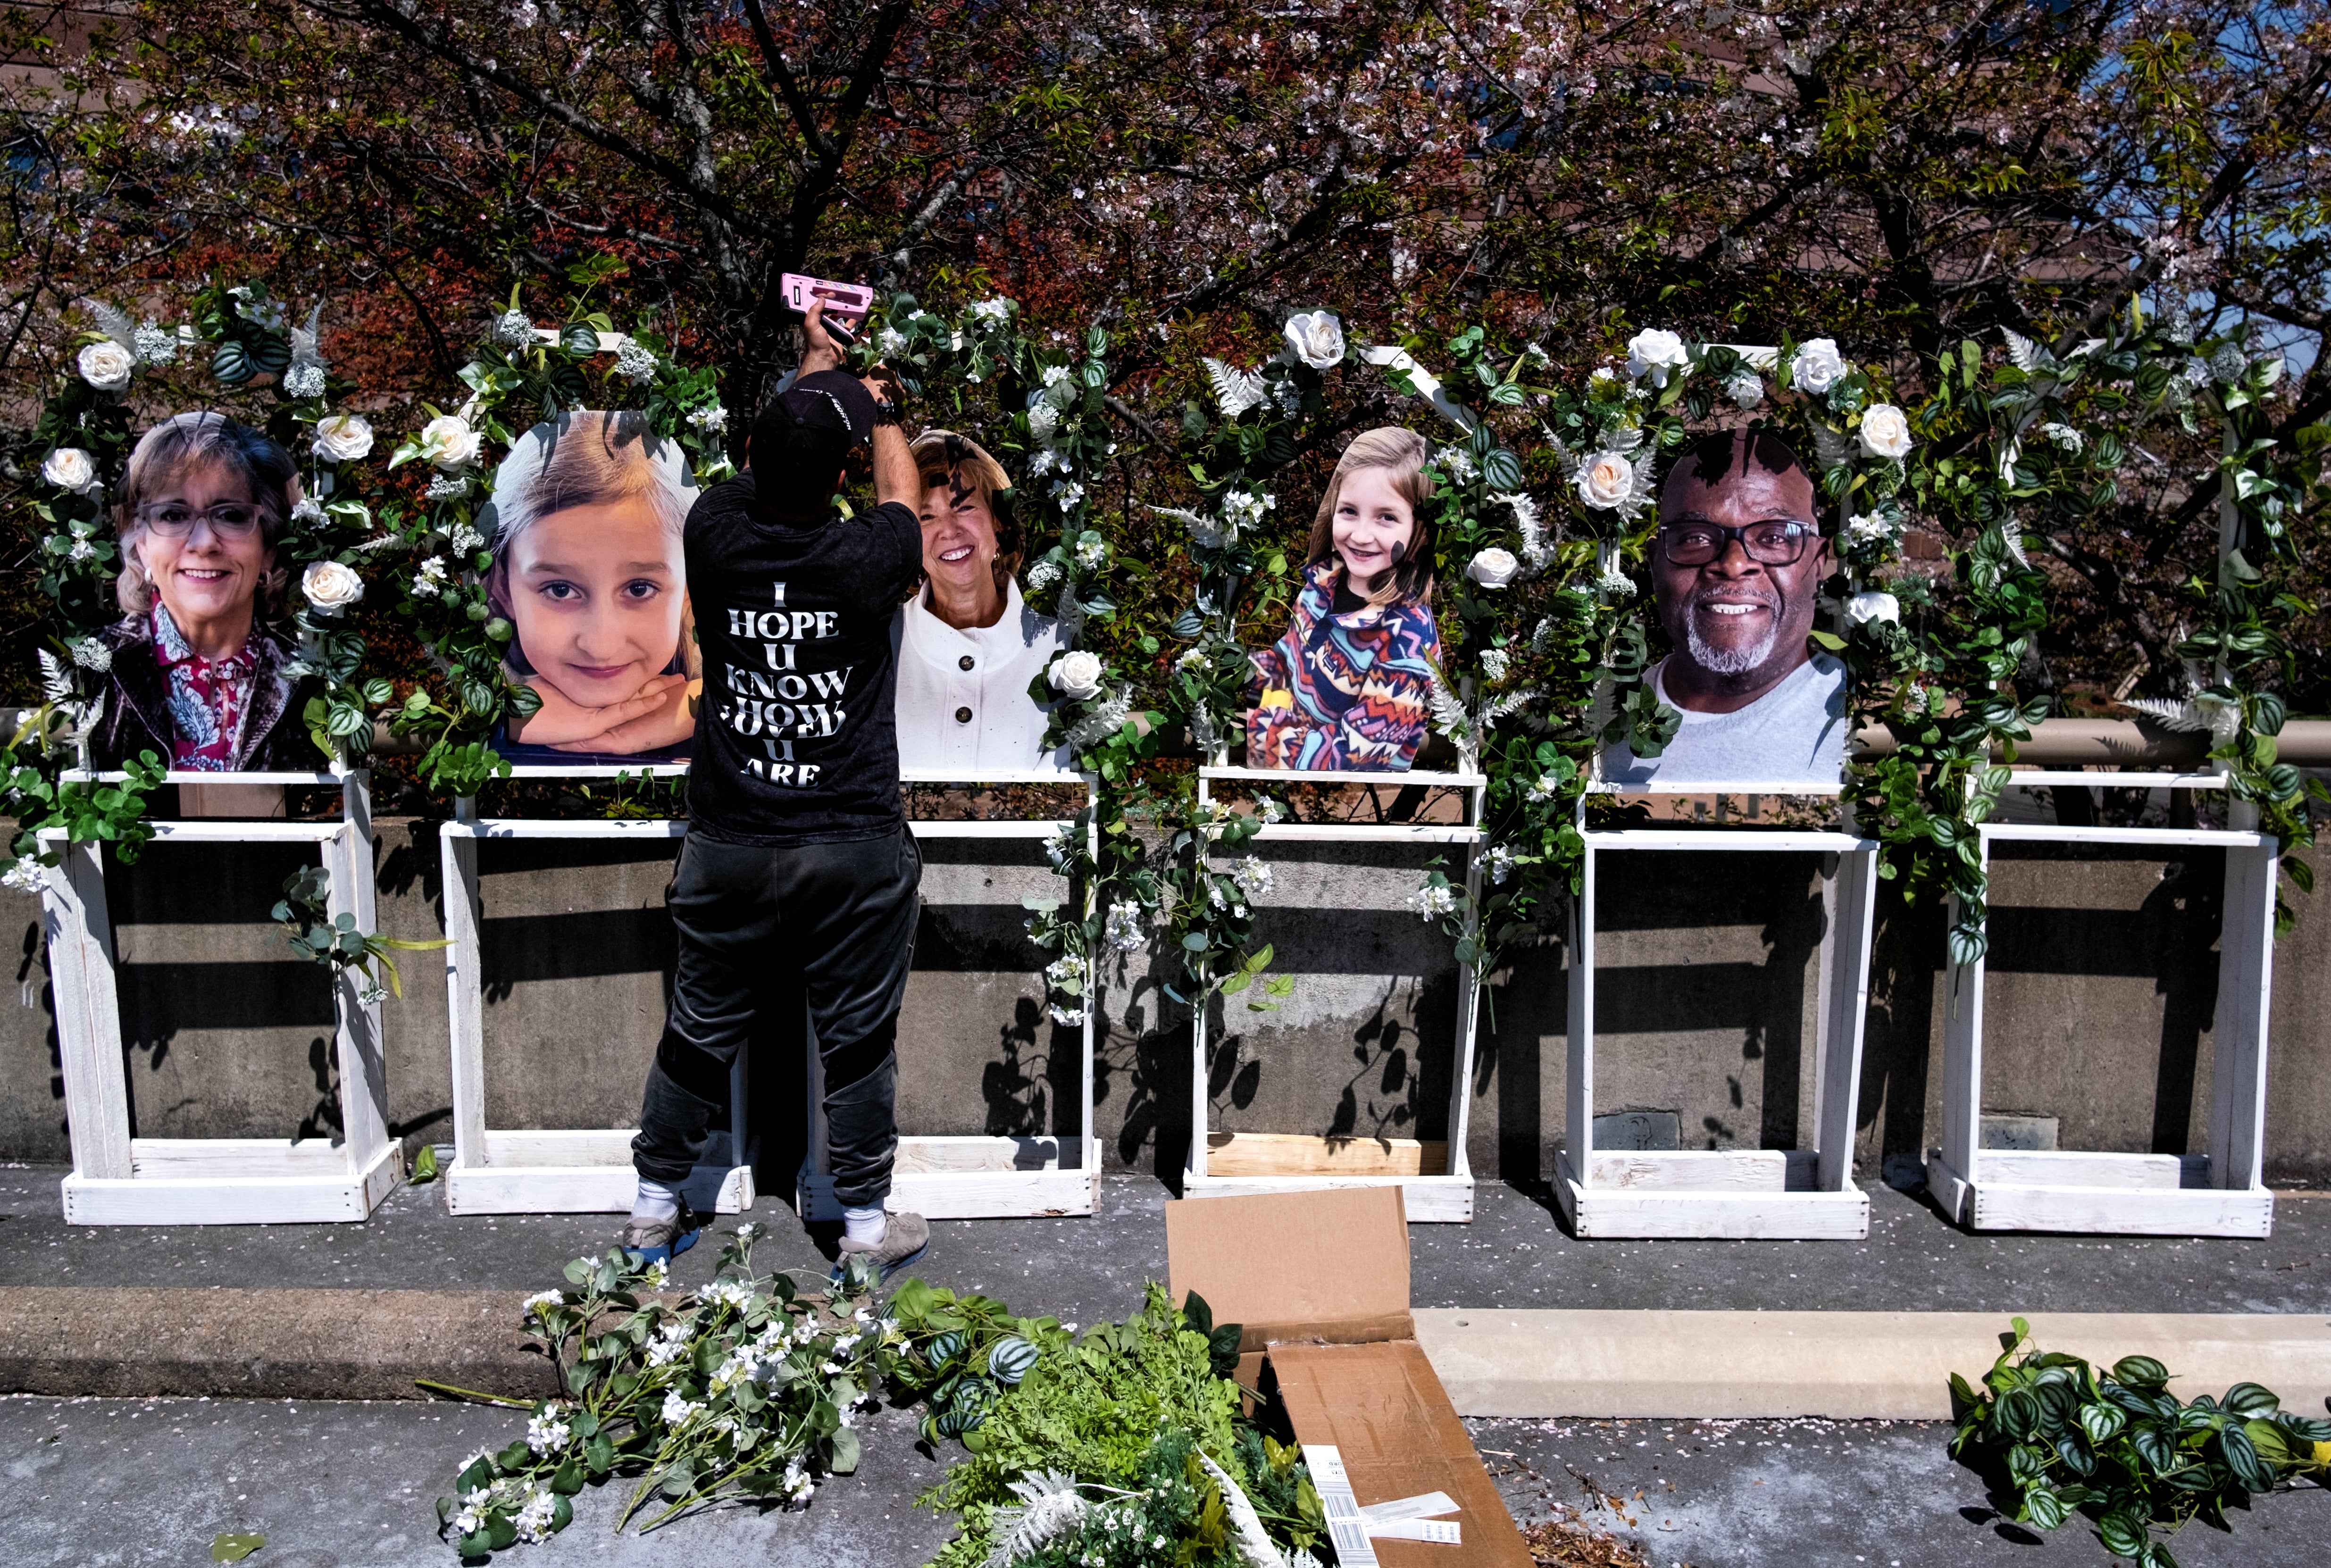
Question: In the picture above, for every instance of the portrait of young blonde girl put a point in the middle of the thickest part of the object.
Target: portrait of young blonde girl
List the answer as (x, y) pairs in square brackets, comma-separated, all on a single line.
[(585, 534), (1349, 687)]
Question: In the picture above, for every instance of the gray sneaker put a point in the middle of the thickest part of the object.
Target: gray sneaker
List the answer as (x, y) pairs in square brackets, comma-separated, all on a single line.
[(648, 1241), (905, 1239)]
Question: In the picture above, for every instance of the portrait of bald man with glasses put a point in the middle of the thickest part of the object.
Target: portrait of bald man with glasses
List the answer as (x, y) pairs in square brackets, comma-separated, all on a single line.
[(1736, 570)]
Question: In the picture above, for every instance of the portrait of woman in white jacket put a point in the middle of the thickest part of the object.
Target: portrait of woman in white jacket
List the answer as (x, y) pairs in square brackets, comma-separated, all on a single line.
[(969, 644)]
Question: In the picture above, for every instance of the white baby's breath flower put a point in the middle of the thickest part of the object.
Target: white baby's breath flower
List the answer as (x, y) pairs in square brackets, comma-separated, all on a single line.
[(448, 487), (105, 365), (1128, 926), (1613, 584), (635, 363), (155, 344), (304, 381), (545, 1432), (1816, 367), (342, 438), (90, 653), (514, 329), (69, 468), (1866, 529), (1431, 903), (2064, 436)]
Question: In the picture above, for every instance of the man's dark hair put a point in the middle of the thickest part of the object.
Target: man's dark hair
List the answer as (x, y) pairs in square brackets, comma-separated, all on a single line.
[(802, 436), (1711, 457)]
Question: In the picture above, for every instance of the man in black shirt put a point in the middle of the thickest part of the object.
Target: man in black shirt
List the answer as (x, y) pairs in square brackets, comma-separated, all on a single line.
[(797, 860)]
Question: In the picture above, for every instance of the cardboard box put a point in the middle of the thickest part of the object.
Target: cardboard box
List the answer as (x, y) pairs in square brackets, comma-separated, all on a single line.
[(1319, 1281)]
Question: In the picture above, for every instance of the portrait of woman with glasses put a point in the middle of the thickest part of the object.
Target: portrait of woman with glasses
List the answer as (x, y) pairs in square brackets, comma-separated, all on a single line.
[(197, 676), (1737, 568)]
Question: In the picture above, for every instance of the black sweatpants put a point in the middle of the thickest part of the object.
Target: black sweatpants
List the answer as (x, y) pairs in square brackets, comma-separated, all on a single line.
[(839, 916)]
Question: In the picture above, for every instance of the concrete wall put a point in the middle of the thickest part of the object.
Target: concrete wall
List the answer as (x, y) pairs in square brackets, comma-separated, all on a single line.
[(2103, 995)]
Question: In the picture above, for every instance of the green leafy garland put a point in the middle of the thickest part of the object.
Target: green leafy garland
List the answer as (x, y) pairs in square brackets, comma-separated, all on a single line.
[(83, 440), (748, 1387)]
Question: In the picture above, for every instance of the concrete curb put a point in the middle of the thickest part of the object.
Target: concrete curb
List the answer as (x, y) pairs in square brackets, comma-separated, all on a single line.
[(309, 1345), (303, 1344), (1859, 1365)]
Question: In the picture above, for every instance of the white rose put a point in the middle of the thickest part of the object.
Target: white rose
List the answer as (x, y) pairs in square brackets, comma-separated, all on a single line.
[(1884, 432), (1316, 339), (1075, 675), (1493, 567), (342, 438), (70, 469), (449, 443), (330, 586), (1817, 365), (1872, 605), (1606, 479), (1654, 351), (107, 365)]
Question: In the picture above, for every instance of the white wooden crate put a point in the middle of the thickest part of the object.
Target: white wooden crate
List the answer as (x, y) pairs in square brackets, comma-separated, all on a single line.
[(1445, 1197), (120, 1180), (2222, 1194), (589, 1169), (1730, 1194)]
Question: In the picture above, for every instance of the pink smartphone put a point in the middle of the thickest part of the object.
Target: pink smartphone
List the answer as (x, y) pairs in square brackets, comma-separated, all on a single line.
[(799, 292)]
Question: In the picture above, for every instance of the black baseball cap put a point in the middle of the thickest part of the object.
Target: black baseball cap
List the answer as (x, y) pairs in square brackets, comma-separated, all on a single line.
[(803, 435)]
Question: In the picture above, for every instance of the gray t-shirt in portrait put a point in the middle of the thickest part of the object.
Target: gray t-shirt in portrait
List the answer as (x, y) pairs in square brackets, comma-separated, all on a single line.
[(1790, 739)]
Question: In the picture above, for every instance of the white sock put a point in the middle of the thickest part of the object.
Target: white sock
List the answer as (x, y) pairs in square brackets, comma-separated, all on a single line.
[(867, 1227), (655, 1203)]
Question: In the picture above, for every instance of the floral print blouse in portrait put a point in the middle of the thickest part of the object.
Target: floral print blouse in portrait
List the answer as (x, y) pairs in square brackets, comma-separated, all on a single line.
[(209, 699)]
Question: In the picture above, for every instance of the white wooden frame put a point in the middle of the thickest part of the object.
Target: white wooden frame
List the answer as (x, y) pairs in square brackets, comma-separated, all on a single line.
[(1445, 1197), (120, 1180), (589, 1169), (1806, 1195), (2124, 1193)]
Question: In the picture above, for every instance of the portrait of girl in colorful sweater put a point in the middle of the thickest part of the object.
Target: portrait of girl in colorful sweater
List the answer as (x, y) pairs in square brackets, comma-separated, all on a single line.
[(1349, 687)]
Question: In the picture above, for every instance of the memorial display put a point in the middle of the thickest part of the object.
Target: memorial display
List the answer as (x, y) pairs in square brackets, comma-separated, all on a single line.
[(589, 574)]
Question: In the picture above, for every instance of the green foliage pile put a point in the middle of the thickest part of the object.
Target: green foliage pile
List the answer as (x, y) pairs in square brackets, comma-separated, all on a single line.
[(2118, 1447), (1131, 1412)]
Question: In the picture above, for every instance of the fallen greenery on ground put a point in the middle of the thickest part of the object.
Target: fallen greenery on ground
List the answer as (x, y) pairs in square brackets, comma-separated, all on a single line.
[(747, 1387), (2118, 1447), (1126, 1444)]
